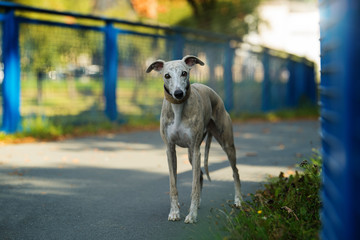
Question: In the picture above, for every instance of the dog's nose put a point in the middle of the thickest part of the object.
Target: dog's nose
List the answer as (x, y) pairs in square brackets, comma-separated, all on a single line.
[(179, 94)]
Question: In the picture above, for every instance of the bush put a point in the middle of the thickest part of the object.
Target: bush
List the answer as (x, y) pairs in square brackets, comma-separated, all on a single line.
[(288, 207)]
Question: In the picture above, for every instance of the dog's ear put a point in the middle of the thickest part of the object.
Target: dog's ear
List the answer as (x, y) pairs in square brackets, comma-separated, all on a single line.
[(190, 61), (158, 66)]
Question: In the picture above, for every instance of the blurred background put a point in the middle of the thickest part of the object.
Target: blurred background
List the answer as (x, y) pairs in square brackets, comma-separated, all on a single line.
[(288, 25), (260, 56)]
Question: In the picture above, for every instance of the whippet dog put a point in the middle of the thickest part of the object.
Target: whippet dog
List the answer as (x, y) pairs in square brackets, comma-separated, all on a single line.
[(189, 113)]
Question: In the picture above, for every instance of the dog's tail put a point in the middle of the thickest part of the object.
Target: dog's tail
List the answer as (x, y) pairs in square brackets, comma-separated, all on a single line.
[(207, 148)]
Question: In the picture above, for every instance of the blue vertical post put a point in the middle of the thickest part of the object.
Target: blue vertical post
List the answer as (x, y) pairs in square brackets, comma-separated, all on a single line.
[(110, 71), (265, 106), (179, 44), (11, 83), (291, 84), (311, 82), (300, 83), (340, 118), (228, 77)]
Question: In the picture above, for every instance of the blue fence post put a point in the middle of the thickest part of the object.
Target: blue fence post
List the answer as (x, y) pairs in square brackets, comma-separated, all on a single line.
[(300, 83), (311, 86), (179, 44), (110, 71), (340, 118), (291, 84), (11, 84), (265, 106), (228, 79)]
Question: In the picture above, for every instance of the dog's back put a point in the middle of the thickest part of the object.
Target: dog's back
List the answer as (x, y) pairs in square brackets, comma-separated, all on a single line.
[(219, 115)]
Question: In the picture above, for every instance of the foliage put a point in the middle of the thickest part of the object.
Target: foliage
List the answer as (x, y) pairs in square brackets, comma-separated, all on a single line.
[(302, 112), (235, 17), (83, 123), (118, 9), (39, 128), (45, 49), (288, 207)]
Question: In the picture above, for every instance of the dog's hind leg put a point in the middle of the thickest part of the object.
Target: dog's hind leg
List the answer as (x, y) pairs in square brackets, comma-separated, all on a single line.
[(226, 139), (231, 154)]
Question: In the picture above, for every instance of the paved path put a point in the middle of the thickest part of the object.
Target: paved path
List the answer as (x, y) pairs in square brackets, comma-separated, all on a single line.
[(116, 186)]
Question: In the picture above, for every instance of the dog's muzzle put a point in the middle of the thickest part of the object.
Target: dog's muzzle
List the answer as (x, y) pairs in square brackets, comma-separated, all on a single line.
[(173, 100)]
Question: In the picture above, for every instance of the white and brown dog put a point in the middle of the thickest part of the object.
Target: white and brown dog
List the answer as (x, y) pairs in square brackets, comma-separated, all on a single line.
[(189, 113)]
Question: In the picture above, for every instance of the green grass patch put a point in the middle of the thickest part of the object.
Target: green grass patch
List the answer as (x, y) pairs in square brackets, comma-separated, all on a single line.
[(288, 207), (302, 112), (39, 128), (94, 121)]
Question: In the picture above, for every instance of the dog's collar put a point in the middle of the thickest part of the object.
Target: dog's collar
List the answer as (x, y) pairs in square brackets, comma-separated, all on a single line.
[(170, 98)]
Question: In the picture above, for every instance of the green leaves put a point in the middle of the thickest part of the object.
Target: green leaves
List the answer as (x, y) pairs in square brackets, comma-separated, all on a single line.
[(288, 207)]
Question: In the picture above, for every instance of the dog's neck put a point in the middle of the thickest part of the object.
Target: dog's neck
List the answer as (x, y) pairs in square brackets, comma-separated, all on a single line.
[(173, 100), (177, 110)]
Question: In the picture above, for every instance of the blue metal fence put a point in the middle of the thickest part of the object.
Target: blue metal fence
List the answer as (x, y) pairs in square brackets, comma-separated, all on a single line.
[(62, 64), (340, 118)]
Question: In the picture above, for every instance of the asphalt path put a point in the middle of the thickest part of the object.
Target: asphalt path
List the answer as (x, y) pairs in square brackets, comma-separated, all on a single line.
[(116, 186)]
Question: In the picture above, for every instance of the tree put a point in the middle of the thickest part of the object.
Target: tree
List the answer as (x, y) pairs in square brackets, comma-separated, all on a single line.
[(231, 17)]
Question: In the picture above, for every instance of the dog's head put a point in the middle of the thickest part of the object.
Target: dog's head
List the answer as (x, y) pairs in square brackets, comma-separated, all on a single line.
[(176, 74)]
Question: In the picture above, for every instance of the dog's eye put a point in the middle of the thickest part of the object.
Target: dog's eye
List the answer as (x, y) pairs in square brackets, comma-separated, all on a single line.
[(167, 76), (184, 74)]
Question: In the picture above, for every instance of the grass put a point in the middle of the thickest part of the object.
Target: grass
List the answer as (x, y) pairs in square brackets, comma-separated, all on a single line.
[(288, 207), (94, 121), (75, 96), (306, 111), (39, 128), (75, 108)]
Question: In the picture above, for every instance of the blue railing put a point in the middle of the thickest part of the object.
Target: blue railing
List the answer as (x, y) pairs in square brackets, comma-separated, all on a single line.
[(73, 65), (340, 118)]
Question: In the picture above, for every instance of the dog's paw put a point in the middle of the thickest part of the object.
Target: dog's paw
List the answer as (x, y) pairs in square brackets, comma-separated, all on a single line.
[(191, 218), (237, 202), (174, 216)]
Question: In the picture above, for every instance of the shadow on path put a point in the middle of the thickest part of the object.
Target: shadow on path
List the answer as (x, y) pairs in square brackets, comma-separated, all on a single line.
[(95, 203), (116, 186)]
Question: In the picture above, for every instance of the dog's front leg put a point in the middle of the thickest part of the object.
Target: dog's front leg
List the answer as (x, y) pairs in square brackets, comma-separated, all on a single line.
[(196, 188), (174, 214)]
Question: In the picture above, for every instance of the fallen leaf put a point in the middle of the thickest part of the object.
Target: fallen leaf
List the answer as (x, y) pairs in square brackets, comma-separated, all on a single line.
[(237, 134), (75, 160), (251, 154), (289, 172), (16, 173), (186, 161), (248, 135), (289, 211), (266, 130)]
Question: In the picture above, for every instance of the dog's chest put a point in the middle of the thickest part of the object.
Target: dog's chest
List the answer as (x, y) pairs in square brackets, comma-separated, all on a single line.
[(178, 131), (179, 135)]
